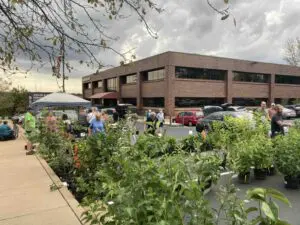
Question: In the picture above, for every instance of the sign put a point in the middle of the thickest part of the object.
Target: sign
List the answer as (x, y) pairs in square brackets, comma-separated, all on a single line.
[(34, 96)]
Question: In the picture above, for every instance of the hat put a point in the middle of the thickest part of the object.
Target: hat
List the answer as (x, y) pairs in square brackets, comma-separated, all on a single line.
[(273, 104)]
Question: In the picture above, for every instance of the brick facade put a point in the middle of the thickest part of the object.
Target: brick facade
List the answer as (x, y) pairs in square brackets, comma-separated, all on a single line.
[(172, 87)]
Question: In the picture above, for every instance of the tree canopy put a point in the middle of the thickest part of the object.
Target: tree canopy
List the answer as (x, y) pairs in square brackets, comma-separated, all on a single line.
[(292, 52), (39, 30)]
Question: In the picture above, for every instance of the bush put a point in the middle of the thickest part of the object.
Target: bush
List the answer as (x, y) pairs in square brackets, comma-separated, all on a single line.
[(287, 153)]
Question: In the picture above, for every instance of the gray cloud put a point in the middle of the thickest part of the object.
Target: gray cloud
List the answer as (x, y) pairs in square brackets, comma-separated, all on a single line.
[(192, 26)]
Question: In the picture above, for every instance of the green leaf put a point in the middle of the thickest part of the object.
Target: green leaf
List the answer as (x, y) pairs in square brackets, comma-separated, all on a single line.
[(275, 209), (267, 210), (226, 1), (278, 195), (251, 209)]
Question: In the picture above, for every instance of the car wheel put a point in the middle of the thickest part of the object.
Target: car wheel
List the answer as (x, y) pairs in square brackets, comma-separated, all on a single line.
[(190, 123)]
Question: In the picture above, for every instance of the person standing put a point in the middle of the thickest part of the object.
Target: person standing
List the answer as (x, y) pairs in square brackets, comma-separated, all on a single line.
[(97, 125), (272, 111), (161, 118), (262, 110), (152, 124), (90, 116), (29, 125), (51, 123), (277, 123)]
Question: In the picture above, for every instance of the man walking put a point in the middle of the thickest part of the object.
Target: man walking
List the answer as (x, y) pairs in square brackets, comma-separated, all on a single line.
[(29, 124)]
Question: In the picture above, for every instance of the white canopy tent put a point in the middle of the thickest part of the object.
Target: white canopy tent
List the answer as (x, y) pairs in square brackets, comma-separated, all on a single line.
[(61, 100)]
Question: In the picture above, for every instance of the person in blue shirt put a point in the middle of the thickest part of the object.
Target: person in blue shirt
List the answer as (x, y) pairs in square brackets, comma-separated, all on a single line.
[(97, 125), (6, 132)]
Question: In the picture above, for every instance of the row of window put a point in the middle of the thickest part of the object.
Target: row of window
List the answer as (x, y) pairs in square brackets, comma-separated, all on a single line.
[(197, 102), (205, 74), (200, 102)]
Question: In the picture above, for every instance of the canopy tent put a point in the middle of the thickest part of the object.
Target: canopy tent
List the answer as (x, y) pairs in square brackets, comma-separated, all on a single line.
[(61, 100)]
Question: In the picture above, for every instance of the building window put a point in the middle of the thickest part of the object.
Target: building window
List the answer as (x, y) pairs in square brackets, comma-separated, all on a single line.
[(85, 86), (155, 75), (285, 79), (197, 102), (248, 101), (129, 101), (251, 77), (154, 102), (89, 85), (112, 84), (198, 73), (287, 101), (100, 84), (130, 79)]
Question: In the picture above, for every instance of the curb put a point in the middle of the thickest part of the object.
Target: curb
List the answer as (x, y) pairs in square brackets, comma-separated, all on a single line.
[(65, 193)]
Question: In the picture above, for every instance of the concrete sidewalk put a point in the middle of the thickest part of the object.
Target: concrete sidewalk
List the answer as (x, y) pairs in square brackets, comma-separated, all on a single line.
[(25, 196)]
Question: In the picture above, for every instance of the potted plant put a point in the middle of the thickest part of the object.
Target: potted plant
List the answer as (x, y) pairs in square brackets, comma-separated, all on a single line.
[(262, 150), (287, 157), (241, 159)]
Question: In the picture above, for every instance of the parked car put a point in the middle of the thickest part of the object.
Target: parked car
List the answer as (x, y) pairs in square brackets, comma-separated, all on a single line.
[(296, 108), (236, 108), (124, 109), (219, 116), (209, 109), (189, 118), (288, 113)]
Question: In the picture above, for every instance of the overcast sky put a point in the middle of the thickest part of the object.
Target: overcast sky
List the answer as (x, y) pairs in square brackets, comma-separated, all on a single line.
[(191, 26)]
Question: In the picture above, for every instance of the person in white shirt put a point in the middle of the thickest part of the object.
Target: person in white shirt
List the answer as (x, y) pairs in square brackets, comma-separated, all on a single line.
[(161, 118), (90, 116)]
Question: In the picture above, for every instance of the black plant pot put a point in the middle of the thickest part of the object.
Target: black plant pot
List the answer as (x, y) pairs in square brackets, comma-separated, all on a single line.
[(291, 182), (271, 171), (244, 178), (260, 174)]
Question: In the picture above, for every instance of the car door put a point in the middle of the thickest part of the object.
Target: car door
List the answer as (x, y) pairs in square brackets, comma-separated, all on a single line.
[(188, 117), (179, 118)]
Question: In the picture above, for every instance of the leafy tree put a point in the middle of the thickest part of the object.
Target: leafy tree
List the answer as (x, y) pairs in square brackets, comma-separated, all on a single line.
[(14, 101), (292, 52), (43, 30)]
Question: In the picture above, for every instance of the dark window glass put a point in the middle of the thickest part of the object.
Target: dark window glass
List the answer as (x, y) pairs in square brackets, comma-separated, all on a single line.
[(198, 73), (197, 102), (283, 79), (286, 101), (154, 102), (129, 101), (85, 85), (251, 77), (248, 101), (155, 75), (130, 79), (188, 114), (112, 84)]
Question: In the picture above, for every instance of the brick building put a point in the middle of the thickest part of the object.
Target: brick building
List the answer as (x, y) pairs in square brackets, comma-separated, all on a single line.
[(176, 81)]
